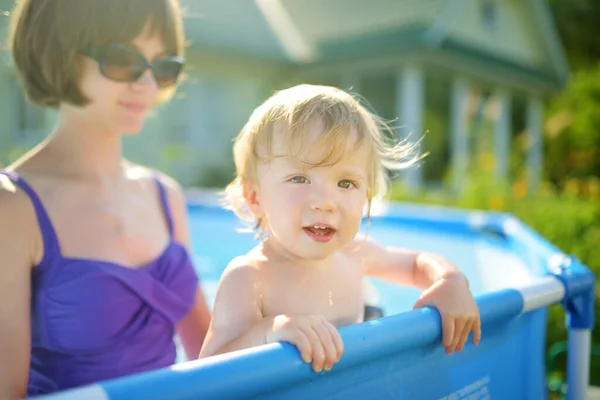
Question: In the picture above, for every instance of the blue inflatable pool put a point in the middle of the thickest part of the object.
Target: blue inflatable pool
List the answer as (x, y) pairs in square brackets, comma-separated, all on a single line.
[(514, 273)]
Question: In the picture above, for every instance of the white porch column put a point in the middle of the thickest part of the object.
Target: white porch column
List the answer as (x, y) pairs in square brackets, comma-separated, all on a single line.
[(502, 132), (535, 114), (459, 140), (410, 85)]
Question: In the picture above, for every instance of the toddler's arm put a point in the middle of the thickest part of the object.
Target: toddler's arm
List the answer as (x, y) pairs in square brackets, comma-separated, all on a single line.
[(236, 313), (444, 286)]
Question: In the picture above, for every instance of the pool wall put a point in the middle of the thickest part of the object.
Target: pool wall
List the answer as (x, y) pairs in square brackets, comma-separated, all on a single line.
[(400, 356)]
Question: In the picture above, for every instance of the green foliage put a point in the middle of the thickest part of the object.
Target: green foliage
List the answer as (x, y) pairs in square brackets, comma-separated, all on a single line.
[(576, 22), (572, 135)]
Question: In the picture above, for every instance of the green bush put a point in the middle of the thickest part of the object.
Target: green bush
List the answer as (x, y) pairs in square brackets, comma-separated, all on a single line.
[(572, 137), (569, 219)]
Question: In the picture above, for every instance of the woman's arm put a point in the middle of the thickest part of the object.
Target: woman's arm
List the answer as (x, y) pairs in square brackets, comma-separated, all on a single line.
[(193, 327), (18, 230)]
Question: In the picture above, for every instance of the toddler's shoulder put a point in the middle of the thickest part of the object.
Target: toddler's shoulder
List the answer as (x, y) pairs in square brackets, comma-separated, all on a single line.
[(243, 269)]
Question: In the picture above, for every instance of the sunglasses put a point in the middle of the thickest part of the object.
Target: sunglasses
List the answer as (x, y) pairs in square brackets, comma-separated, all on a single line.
[(123, 64)]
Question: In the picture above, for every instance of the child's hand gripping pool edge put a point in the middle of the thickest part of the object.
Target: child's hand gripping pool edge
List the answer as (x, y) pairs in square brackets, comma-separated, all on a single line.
[(451, 296), (317, 340)]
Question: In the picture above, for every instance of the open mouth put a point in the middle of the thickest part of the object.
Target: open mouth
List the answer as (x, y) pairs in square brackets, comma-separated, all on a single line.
[(320, 232)]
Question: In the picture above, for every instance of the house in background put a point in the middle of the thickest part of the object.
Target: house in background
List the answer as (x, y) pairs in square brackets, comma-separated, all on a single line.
[(455, 71)]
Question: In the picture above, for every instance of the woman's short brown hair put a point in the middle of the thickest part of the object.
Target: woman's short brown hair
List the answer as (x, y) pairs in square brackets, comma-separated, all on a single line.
[(46, 37)]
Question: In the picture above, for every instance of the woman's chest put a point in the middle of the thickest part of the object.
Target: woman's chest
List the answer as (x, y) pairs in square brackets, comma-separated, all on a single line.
[(129, 230)]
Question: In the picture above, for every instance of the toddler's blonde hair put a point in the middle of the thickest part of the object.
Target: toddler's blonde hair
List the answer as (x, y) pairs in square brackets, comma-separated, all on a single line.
[(293, 112)]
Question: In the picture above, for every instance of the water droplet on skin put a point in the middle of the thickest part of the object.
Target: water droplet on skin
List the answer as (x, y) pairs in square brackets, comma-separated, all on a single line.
[(257, 290)]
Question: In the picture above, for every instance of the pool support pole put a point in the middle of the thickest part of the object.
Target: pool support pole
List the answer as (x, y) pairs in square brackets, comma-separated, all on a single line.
[(578, 301), (579, 283)]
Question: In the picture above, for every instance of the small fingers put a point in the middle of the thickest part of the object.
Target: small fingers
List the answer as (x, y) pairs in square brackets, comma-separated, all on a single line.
[(447, 331), (301, 341), (328, 345), (318, 351), (317, 340), (464, 336), (477, 330), (337, 339), (459, 324)]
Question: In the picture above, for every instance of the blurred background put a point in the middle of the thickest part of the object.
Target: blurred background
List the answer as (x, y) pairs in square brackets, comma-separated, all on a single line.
[(505, 93)]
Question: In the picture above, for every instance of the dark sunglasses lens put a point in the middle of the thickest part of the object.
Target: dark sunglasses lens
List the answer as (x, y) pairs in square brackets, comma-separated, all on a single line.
[(166, 72), (122, 65)]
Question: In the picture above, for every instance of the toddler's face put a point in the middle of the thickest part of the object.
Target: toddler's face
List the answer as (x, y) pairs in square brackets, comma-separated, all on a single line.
[(312, 212)]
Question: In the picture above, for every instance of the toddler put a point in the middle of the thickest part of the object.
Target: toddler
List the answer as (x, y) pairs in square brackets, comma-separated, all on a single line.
[(309, 161)]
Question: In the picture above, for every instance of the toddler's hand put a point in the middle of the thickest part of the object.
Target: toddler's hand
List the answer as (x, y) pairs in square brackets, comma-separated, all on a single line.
[(316, 338), (457, 307)]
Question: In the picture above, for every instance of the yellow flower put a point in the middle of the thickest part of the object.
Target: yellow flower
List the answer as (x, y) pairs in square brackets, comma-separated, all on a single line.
[(488, 161), (593, 187), (496, 203), (572, 187), (519, 189)]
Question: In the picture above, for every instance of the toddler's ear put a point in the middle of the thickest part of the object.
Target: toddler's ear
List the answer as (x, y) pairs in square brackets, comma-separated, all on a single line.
[(251, 197)]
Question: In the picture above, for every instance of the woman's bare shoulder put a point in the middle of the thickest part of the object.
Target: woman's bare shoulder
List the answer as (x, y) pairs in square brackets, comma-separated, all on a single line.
[(14, 202), (18, 222), (149, 176)]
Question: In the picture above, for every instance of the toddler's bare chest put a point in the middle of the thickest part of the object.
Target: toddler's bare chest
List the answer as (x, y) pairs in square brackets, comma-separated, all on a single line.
[(339, 297)]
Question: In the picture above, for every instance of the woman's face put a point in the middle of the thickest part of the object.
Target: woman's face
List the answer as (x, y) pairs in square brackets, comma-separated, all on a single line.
[(121, 107)]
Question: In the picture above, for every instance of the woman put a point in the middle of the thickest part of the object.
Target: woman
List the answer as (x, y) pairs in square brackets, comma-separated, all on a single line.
[(96, 276)]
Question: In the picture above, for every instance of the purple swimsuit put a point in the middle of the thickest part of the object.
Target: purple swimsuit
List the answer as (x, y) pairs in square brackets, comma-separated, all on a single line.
[(95, 320)]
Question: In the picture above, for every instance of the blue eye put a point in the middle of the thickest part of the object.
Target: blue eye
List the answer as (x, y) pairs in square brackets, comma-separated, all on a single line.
[(299, 179), (346, 184)]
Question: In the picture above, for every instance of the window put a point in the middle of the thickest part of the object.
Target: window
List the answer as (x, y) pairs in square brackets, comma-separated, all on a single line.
[(488, 14)]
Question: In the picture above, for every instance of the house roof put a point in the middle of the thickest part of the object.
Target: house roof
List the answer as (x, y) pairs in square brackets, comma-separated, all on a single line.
[(317, 32), (231, 26)]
